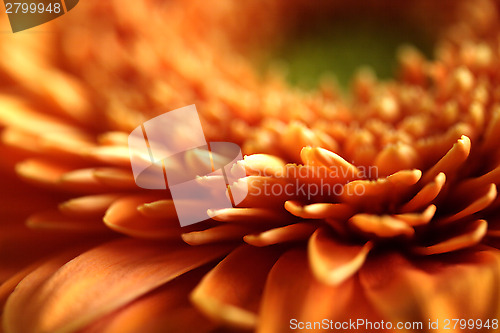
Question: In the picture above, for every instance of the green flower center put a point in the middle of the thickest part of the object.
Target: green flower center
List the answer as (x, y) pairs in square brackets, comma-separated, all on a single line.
[(341, 47)]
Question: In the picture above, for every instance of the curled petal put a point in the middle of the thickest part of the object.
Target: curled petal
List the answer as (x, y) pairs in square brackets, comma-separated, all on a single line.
[(484, 201), (434, 148), (470, 187), (471, 236), (88, 206), (417, 219), (332, 261), (324, 158), (221, 233), (230, 293), (159, 209), (426, 195), (381, 226), (123, 216), (292, 232), (319, 210), (451, 161), (374, 194), (263, 165), (248, 215)]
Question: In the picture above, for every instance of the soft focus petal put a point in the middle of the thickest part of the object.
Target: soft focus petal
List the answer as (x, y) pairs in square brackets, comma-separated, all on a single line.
[(98, 282), (291, 292), (166, 309), (231, 292), (333, 261), (456, 286)]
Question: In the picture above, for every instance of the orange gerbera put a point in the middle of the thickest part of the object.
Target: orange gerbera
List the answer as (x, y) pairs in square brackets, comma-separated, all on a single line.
[(412, 240)]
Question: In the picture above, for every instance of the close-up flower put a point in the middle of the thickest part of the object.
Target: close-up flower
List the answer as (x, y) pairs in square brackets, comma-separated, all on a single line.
[(370, 193)]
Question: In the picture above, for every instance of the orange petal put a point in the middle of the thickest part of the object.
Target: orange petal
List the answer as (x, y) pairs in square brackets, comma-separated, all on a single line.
[(320, 210), (416, 219), (396, 157), (425, 196), (64, 143), (471, 236), (476, 206), (82, 180), (115, 177), (451, 161), (53, 263), (309, 174), (263, 165), (22, 246), (166, 309), (320, 157), (88, 206), (61, 145), (432, 149), (375, 194), (98, 179), (18, 140), (470, 187), (297, 136), (54, 219), (260, 191), (230, 293), (159, 209), (248, 215), (42, 172), (15, 113), (333, 262), (114, 155), (123, 216), (111, 276), (462, 286), (113, 139), (289, 233), (292, 292), (382, 226), (221, 233)]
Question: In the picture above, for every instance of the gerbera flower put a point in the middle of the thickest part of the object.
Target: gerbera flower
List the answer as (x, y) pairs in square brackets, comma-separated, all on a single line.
[(382, 208)]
